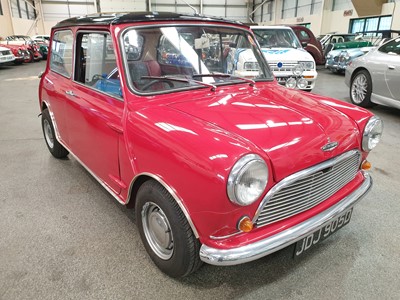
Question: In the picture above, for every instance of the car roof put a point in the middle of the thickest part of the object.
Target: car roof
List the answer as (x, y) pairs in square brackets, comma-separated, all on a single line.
[(140, 16)]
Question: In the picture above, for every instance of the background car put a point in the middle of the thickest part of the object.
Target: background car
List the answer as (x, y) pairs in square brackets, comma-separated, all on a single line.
[(20, 52), (291, 64), (338, 60), (310, 43), (33, 48), (42, 38), (374, 78), (6, 56)]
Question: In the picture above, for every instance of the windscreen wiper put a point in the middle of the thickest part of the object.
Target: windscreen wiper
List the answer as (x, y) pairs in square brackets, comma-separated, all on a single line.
[(180, 79), (224, 75)]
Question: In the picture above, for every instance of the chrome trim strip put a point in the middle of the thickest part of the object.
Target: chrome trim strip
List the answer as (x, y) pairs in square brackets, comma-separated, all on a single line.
[(296, 176), (102, 183), (243, 254), (171, 191)]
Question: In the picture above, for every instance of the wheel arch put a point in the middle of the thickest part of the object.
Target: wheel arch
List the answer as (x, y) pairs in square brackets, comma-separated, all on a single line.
[(355, 72), (138, 181)]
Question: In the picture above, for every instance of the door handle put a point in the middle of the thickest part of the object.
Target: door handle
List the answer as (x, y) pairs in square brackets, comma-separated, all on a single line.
[(391, 67), (70, 93)]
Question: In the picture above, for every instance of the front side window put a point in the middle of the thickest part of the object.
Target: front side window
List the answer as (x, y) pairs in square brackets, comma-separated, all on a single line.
[(61, 53), (187, 57), (96, 65)]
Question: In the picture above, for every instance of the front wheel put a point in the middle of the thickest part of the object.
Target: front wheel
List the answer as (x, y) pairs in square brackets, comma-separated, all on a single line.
[(361, 89), (55, 148), (165, 232)]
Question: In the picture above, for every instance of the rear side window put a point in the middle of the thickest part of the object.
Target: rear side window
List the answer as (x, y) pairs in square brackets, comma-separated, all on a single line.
[(61, 53), (304, 35), (392, 47)]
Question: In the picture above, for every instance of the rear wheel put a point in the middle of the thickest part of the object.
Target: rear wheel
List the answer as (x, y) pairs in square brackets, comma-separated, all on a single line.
[(55, 148), (361, 89), (165, 232), (31, 57)]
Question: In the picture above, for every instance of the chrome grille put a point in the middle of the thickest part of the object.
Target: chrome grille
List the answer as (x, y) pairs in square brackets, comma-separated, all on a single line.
[(308, 188), (286, 67)]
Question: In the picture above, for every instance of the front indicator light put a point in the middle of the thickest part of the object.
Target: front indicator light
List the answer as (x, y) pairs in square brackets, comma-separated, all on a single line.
[(366, 165), (245, 224)]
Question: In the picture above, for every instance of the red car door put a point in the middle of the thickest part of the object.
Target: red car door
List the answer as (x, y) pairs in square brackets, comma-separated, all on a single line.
[(94, 111)]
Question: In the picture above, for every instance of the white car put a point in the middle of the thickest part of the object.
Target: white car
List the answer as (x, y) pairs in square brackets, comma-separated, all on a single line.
[(6, 55), (41, 38), (292, 65)]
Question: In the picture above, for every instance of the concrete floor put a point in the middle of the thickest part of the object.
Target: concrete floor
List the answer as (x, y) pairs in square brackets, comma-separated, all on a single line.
[(63, 237)]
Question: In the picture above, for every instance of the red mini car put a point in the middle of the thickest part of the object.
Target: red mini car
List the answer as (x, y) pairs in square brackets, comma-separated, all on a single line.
[(219, 168)]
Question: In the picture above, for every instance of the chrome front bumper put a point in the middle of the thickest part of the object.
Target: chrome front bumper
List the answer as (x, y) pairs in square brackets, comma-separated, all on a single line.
[(235, 256)]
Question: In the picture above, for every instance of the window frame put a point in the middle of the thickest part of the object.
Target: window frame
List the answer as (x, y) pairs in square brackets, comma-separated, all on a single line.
[(75, 63)]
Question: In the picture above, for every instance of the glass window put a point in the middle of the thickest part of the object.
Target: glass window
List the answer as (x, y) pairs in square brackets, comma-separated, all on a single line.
[(61, 53), (364, 25), (341, 4), (289, 9), (392, 47), (96, 66), (191, 57)]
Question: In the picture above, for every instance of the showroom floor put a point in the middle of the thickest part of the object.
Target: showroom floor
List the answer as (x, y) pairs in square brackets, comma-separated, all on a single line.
[(63, 237)]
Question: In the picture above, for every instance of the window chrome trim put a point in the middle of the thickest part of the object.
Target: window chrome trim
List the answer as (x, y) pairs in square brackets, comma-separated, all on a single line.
[(296, 176)]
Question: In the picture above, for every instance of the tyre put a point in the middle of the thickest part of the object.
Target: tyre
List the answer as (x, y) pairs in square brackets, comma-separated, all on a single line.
[(361, 89), (165, 232), (31, 57), (55, 148)]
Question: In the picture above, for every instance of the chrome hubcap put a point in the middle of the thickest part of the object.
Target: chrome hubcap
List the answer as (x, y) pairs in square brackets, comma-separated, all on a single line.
[(48, 134), (157, 230), (359, 88)]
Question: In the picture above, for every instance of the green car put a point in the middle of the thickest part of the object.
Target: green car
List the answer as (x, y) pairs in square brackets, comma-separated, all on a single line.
[(352, 44)]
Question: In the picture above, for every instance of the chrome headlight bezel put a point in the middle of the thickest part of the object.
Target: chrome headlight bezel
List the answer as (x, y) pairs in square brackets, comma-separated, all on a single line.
[(372, 133), (297, 70), (244, 167)]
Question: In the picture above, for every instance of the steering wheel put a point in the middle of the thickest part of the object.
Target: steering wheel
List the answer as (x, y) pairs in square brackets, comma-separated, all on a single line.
[(96, 77), (153, 82)]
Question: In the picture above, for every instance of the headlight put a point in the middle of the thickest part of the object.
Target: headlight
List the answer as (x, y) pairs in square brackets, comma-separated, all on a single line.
[(307, 65), (247, 180), (372, 133), (297, 70), (251, 66)]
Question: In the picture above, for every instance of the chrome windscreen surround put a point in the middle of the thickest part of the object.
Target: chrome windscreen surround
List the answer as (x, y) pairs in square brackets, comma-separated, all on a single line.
[(307, 188)]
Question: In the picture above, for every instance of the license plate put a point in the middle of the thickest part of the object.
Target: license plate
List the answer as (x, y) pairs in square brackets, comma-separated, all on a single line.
[(321, 234)]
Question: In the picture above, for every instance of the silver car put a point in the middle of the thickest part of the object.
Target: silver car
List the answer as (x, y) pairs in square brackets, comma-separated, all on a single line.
[(374, 78)]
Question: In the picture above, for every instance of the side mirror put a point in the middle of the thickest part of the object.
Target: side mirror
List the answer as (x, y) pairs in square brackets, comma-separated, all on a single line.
[(304, 44)]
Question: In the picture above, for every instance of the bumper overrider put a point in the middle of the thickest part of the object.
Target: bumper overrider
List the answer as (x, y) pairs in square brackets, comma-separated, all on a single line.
[(247, 253)]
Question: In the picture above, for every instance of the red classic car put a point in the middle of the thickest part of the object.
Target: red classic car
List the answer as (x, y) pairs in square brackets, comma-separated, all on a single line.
[(21, 40), (21, 53), (219, 168)]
